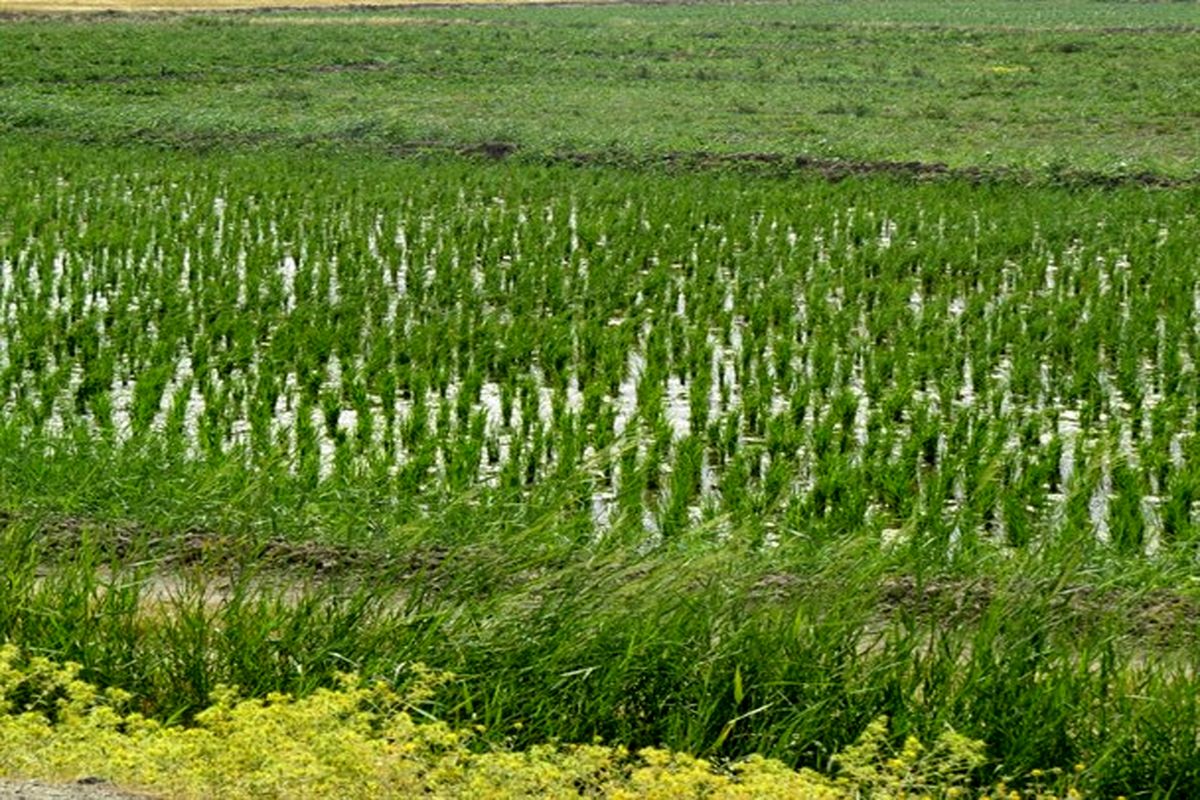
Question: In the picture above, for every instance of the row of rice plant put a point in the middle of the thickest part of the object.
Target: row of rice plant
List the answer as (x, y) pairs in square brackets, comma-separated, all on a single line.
[(816, 360), (723, 464)]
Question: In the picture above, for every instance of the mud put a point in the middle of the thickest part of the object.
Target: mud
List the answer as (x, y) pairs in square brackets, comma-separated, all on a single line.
[(787, 165), (836, 169), (1158, 617), (60, 537)]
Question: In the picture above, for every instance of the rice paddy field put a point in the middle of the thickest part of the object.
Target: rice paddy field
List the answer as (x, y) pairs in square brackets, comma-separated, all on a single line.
[(564, 401)]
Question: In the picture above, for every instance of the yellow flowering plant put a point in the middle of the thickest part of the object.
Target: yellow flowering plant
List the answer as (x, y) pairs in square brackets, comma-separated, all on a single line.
[(362, 740)]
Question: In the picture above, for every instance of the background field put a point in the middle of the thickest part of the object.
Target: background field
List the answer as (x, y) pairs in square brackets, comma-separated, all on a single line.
[(637, 364), (1049, 86)]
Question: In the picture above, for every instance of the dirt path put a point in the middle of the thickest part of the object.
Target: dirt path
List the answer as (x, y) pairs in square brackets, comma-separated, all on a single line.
[(87, 6), (86, 789)]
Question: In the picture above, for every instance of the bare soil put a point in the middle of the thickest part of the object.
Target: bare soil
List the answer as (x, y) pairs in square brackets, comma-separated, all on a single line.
[(785, 165), (83, 789), (132, 6)]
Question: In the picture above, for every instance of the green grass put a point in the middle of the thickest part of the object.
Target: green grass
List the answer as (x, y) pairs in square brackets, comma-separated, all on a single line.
[(1102, 87), (729, 461)]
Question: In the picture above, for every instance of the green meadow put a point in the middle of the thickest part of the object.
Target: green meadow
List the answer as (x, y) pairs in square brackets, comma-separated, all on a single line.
[(1074, 85)]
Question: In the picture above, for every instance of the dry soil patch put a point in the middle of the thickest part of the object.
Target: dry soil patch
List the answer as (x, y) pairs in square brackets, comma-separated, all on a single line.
[(132, 6), (86, 789)]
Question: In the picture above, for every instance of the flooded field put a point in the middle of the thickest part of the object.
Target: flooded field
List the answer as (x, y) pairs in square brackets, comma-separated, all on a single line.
[(803, 359), (742, 465)]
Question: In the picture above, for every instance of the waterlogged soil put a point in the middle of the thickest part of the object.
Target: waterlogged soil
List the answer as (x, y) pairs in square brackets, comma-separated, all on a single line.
[(65, 535), (784, 164)]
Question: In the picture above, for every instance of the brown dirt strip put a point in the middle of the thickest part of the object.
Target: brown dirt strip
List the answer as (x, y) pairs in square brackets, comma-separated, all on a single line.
[(78, 6), (368, 21), (832, 169), (208, 549), (83, 789), (1155, 617), (16, 9), (938, 27), (10, 9)]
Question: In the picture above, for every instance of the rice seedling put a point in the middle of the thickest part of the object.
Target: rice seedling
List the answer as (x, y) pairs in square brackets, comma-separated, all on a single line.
[(621, 439)]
